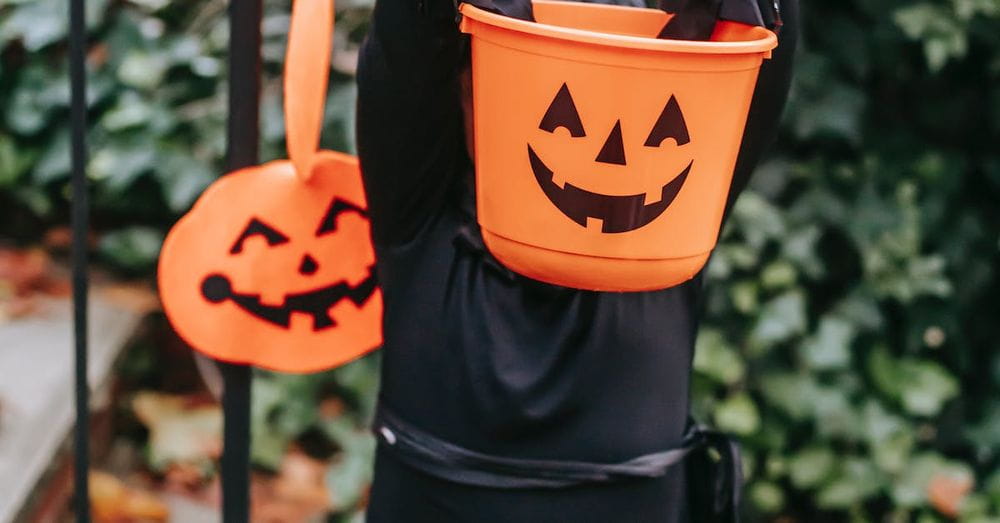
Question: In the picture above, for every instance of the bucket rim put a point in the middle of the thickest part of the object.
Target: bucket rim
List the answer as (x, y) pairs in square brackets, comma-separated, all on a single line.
[(767, 42)]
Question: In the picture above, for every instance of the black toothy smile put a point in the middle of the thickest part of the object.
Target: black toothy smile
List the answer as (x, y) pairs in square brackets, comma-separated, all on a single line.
[(217, 288), (617, 213)]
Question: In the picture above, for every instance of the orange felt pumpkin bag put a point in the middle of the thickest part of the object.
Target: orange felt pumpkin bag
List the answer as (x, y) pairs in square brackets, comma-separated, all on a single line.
[(273, 266)]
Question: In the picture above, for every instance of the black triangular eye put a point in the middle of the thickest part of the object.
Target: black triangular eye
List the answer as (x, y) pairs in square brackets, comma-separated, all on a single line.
[(337, 206), (670, 124), (562, 113), (272, 236)]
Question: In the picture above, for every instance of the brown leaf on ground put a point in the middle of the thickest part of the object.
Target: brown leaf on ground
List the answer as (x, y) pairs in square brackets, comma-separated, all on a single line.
[(947, 491), (297, 493), (23, 269), (60, 237), (114, 502), (24, 273), (16, 307), (135, 296), (183, 478)]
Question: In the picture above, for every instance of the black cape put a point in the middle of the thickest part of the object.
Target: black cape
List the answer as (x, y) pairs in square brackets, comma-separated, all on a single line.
[(492, 361)]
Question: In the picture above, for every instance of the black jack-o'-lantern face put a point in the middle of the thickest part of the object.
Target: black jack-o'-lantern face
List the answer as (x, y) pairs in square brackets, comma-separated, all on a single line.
[(616, 213), (217, 288)]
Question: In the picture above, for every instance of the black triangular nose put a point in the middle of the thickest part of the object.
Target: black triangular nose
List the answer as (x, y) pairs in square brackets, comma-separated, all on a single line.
[(309, 266), (613, 150)]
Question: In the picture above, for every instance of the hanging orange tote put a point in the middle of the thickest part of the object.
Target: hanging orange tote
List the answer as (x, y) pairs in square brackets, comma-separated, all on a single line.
[(603, 154)]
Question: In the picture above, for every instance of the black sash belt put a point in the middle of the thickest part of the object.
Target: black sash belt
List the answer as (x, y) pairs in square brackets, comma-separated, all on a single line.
[(718, 480)]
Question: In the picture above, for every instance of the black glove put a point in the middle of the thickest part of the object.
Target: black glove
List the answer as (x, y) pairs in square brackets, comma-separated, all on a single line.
[(695, 19), (512, 8)]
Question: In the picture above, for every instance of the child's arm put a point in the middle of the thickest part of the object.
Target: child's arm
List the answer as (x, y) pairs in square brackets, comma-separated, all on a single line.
[(409, 118)]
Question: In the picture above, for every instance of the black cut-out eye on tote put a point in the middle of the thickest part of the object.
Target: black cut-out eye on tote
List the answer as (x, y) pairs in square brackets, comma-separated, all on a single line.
[(562, 113), (670, 124), (337, 207), (257, 227)]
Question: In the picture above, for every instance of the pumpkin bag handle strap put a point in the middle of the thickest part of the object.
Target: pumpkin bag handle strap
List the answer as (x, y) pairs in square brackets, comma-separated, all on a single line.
[(307, 69)]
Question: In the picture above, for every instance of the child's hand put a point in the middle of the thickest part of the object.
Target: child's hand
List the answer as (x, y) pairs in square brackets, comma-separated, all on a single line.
[(513, 8)]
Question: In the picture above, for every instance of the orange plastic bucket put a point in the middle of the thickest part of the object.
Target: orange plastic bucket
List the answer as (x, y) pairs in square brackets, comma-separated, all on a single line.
[(604, 155)]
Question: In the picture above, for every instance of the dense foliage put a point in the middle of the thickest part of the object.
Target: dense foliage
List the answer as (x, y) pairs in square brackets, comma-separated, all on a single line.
[(850, 323)]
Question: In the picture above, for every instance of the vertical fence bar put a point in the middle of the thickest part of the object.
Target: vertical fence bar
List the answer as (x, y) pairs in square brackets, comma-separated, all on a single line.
[(80, 227), (242, 151)]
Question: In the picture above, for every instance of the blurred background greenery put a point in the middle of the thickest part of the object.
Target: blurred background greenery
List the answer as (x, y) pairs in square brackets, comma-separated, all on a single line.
[(851, 322)]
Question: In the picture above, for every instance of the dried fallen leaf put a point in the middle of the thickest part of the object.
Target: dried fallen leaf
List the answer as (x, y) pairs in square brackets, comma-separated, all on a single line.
[(297, 493), (331, 408), (114, 502), (23, 268), (947, 491), (23, 274), (301, 479), (137, 296), (58, 237), (16, 307), (180, 431)]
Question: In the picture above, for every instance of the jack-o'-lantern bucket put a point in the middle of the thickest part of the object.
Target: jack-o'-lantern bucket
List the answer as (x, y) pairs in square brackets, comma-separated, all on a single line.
[(603, 154)]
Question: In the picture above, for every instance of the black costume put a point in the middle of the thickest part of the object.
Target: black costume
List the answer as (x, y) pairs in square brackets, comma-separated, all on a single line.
[(492, 362)]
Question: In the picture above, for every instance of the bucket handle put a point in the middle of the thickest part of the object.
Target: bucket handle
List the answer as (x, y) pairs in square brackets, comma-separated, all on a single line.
[(307, 70)]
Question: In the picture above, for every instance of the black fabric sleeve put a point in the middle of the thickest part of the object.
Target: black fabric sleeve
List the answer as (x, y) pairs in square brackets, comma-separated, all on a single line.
[(409, 120), (768, 101)]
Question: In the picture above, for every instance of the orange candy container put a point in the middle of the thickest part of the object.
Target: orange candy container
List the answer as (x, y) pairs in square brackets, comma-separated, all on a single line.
[(604, 155)]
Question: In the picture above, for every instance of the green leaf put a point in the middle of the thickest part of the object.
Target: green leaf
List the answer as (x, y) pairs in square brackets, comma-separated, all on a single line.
[(132, 247), (781, 318), (14, 161), (182, 178), (714, 358), (835, 416), (921, 385), (349, 477), (836, 111), (809, 467), (793, 394), (143, 69), (737, 414), (854, 481), (829, 348), (744, 296), (54, 163), (778, 275), (767, 497), (268, 446), (37, 24), (928, 386), (884, 372), (758, 219), (892, 453), (119, 165), (130, 111)]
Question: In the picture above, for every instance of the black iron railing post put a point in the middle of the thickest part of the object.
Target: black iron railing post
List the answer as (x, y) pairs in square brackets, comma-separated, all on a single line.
[(242, 151), (80, 226)]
